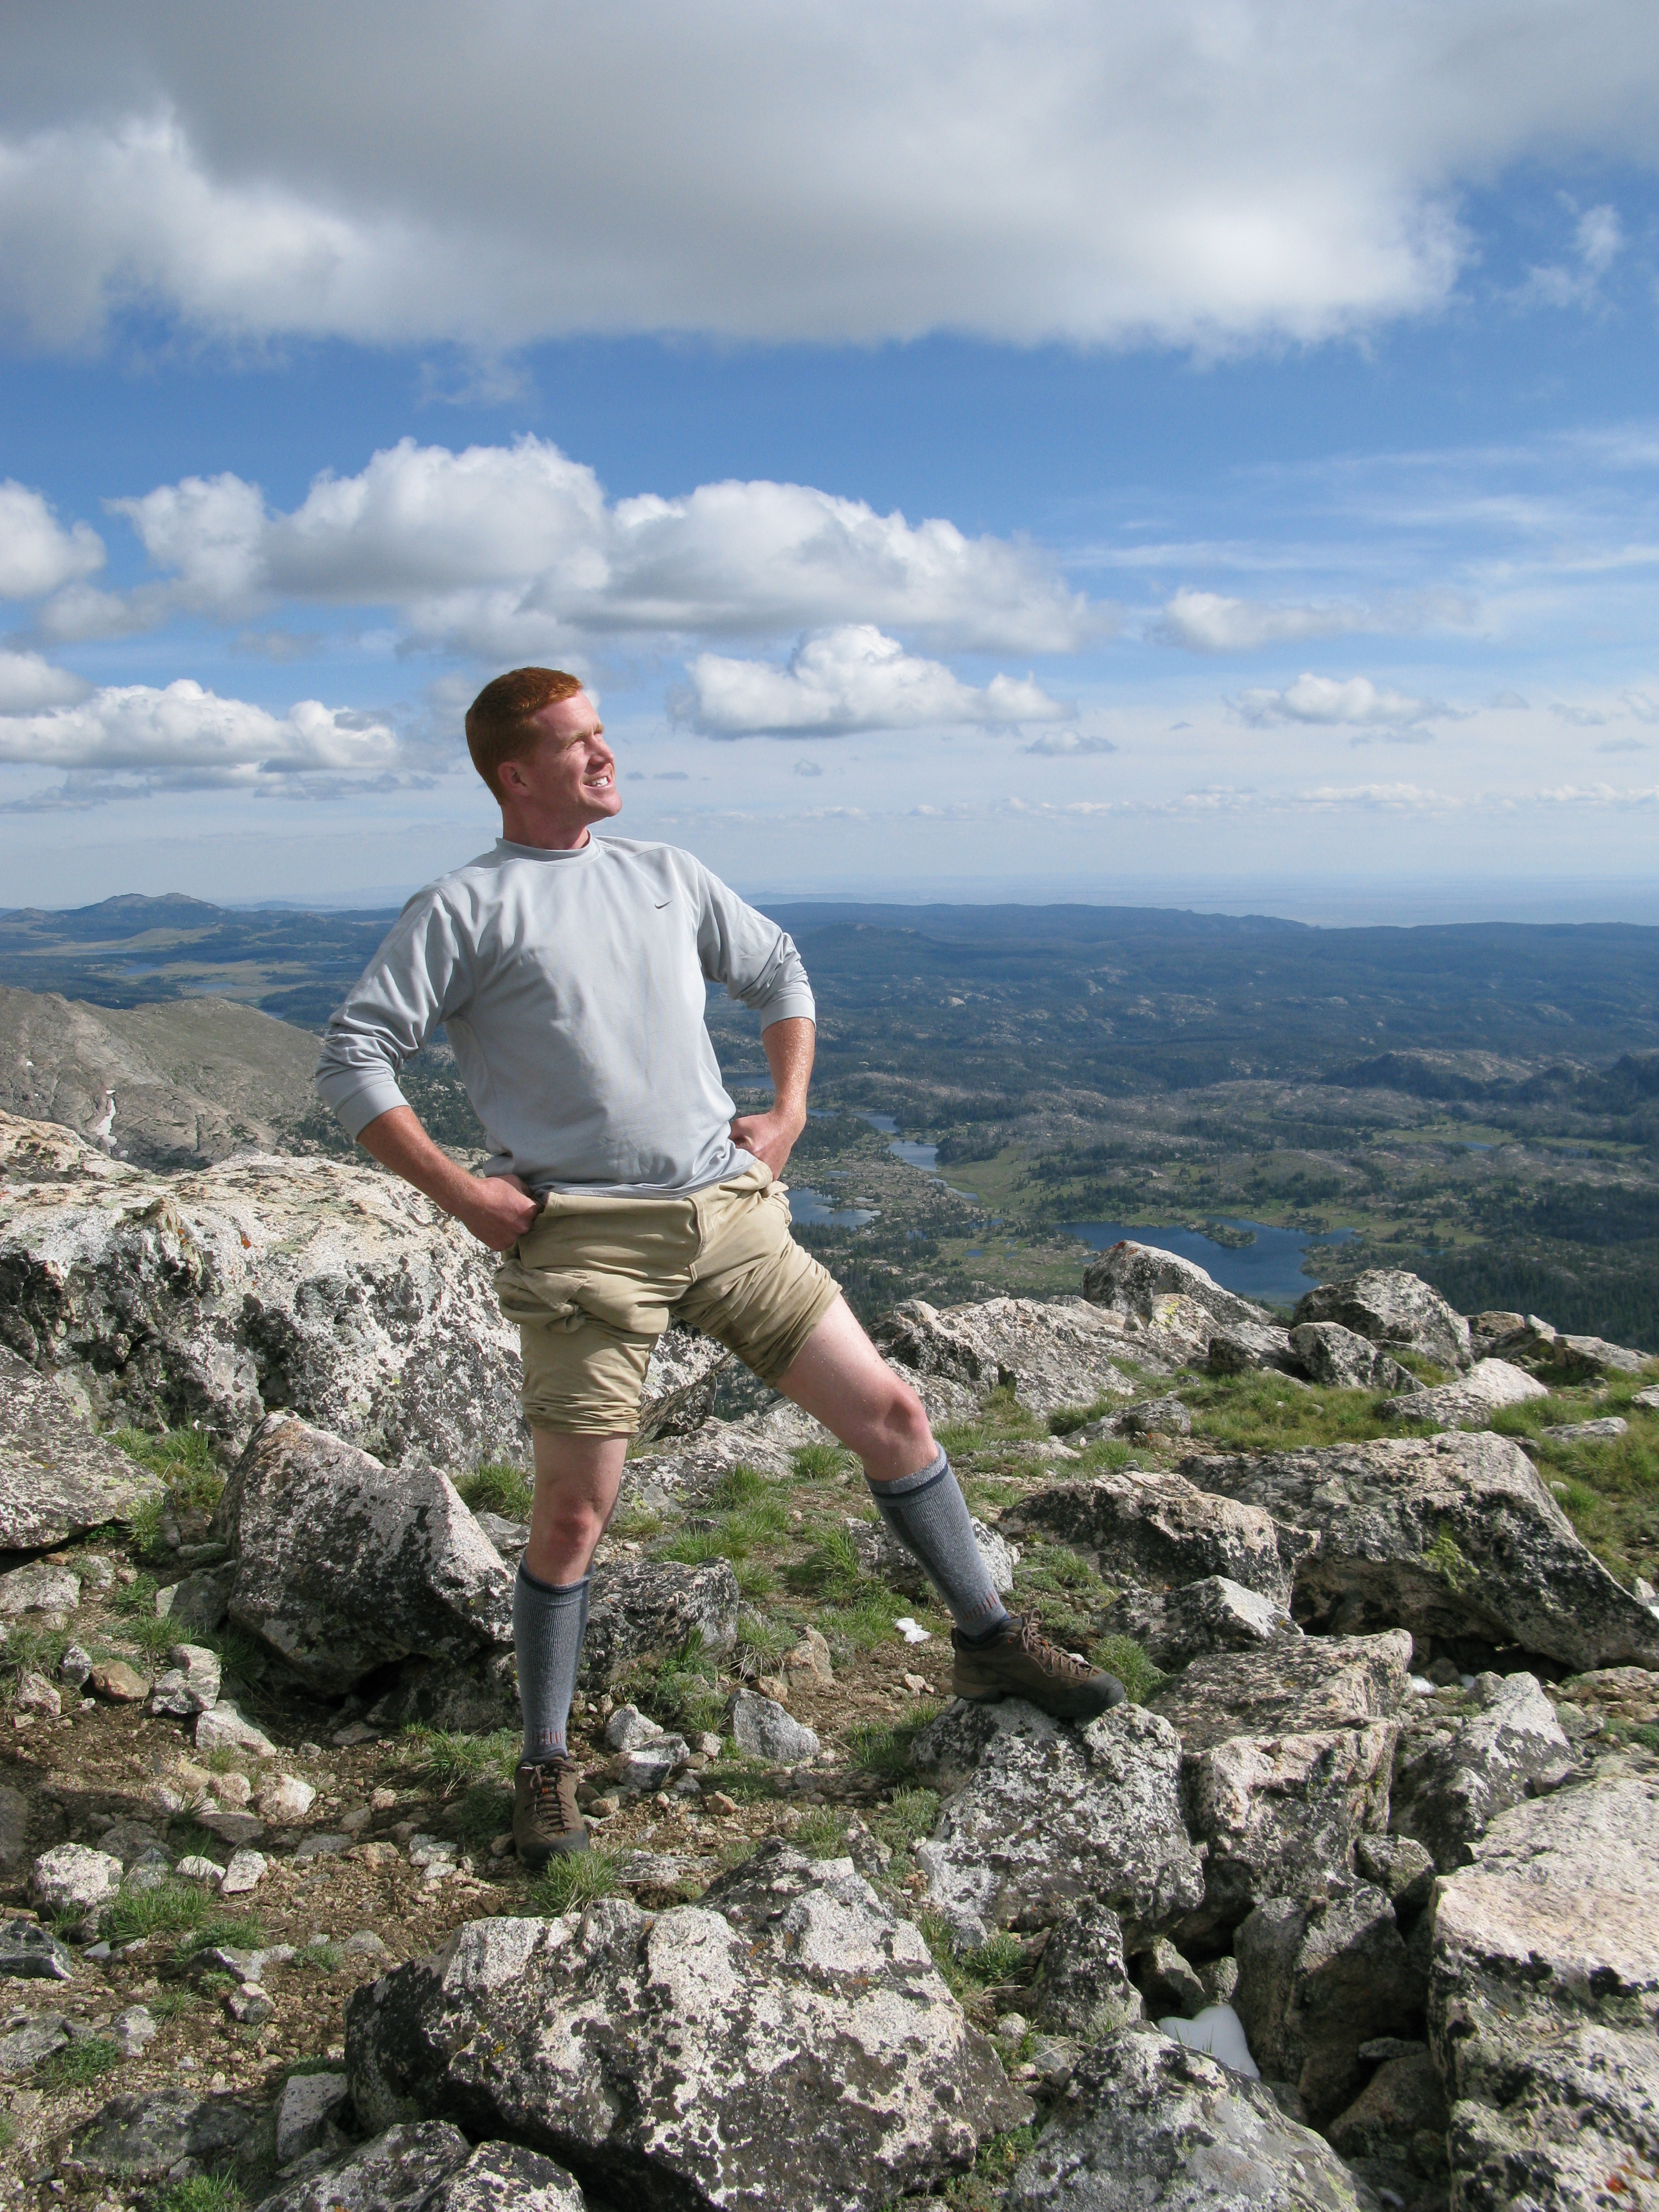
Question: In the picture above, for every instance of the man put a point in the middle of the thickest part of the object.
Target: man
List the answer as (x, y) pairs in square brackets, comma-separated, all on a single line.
[(571, 973)]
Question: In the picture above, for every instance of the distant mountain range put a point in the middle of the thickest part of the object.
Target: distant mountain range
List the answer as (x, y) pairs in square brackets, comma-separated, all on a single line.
[(1129, 994)]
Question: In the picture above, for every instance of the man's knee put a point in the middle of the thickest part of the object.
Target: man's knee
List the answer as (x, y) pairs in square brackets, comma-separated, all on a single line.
[(902, 1419)]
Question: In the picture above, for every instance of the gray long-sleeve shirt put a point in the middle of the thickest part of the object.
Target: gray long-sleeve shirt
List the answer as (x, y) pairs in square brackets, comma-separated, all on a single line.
[(572, 986)]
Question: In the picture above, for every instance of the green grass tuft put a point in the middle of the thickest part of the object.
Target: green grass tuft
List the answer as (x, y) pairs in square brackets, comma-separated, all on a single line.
[(985, 2188), (884, 1749), (495, 1486), (742, 1486), (1123, 1657), (484, 1812), (170, 1906), (907, 1816), (1608, 1487), (152, 1633), (137, 1596), (144, 1527), (37, 1650), (697, 1546), (965, 1971), (238, 1931), (565, 1884), (1063, 1590), (681, 1691), (203, 2193), (820, 1463), (86, 2060), (821, 1833), (764, 1642), (1268, 1412), (450, 1760), (754, 1579), (322, 1954)]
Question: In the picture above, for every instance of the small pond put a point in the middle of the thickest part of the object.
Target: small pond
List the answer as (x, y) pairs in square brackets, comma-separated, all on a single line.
[(1268, 1269), (817, 1211)]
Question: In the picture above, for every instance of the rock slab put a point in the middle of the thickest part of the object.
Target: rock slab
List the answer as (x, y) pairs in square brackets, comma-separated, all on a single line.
[(345, 1564), (1052, 1353), (641, 1607), (1544, 1994), (1448, 1536), (1146, 1527), (1042, 1812), (1286, 1758), (786, 2041), (1448, 1792), (1176, 1625), (57, 1477), (1318, 1981), (1147, 2126), (1393, 1309)]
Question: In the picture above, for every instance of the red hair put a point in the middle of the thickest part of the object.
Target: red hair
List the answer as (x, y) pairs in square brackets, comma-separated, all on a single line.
[(498, 720)]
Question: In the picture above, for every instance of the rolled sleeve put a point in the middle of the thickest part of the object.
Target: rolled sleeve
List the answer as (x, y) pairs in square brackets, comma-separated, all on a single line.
[(419, 976), (358, 1097), (755, 959)]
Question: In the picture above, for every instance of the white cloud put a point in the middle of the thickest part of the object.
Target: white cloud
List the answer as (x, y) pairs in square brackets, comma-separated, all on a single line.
[(1381, 797), (1355, 704), (1068, 745), (1206, 622), (37, 554), (511, 551), (1598, 237), (186, 735), (1209, 621), (1071, 170), (847, 679), (27, 683)]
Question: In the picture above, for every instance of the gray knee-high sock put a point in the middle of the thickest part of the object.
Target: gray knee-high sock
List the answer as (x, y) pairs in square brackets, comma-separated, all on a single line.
[(928, 1514), (547, 1620)]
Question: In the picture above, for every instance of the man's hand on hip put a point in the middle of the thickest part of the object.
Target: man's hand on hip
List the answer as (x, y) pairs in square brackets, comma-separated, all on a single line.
[(498, 1210), (770, 1137)]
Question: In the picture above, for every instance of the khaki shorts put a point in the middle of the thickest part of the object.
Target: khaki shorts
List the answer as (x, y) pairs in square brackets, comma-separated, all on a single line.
[(597, 1280)]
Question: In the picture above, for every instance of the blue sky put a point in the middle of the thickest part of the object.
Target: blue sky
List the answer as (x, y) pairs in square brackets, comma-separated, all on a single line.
[(1204, 455)]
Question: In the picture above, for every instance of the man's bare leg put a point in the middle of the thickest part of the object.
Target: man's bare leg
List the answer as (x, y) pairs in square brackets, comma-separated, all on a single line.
[(839, 1378), (577, 1479)]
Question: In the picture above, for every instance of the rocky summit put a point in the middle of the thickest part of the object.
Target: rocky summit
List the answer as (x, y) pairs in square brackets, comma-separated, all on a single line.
[(1351, 1905)]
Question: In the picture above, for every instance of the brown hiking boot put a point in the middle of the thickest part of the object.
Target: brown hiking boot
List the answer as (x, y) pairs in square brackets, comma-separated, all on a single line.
[(1022, 1663), (545, 1815)]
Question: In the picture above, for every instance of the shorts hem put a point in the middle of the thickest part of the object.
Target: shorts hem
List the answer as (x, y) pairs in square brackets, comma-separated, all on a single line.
[(796, 1342)]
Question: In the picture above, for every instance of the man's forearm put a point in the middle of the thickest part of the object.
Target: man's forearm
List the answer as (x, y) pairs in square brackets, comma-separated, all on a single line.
[(397, 1139), (495, 1208), (789, 1047)]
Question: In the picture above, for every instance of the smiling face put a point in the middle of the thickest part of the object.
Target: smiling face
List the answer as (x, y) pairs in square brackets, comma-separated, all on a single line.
[(565, 782)]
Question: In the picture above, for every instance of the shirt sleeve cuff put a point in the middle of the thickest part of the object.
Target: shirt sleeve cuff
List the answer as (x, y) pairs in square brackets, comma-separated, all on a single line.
[(793, 1003), (362, 1102)]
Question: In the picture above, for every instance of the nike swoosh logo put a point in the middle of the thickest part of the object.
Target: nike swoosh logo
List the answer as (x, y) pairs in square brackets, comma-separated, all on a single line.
[(661, 903)]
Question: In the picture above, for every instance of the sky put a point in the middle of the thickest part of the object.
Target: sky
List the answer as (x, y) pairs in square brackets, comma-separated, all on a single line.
[(1204, 455)]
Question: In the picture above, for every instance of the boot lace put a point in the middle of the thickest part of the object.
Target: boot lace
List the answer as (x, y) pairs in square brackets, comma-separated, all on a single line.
[(1048, 1654), (547, 1798)]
